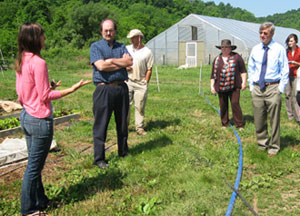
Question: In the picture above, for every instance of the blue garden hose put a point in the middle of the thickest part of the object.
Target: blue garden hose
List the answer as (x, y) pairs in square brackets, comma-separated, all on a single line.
[(240, 168)]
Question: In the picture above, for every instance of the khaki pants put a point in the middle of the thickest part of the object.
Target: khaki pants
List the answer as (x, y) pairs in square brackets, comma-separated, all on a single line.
[(292, 107), (138, 92), (264, 102)]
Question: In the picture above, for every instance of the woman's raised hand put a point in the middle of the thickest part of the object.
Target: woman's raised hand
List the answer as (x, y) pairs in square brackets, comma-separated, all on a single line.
[(80, 84)]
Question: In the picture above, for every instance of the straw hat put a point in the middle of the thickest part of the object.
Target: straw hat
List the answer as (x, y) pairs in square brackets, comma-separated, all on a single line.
[(226, 42), (135, 32)]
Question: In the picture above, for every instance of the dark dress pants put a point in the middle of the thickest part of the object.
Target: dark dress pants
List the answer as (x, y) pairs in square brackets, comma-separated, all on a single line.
[(237, 114), (108, 99), (298, 97)]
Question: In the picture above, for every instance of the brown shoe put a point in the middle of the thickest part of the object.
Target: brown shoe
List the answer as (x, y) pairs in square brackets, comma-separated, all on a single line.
[(141, 132)]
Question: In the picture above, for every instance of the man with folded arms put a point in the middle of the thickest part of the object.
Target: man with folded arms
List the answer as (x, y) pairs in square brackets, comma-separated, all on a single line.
[(109, 60), (268, 72)]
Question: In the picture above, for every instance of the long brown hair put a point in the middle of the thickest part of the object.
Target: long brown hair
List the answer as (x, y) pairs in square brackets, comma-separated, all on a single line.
[(29, 39), (288, 39)]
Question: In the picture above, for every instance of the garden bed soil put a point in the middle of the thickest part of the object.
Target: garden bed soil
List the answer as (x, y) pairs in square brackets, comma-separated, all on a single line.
[(11, 115)]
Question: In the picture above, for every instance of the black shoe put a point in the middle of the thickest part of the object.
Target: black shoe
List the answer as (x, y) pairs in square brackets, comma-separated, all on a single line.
[(44, 205), (102, 165), (124, 155)]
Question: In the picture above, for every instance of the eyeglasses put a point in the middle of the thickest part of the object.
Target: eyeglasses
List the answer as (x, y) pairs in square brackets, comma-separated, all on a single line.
[(109, 31), (264, 33)]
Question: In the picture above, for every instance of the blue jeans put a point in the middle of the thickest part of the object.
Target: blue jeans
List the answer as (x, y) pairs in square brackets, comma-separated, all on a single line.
[(39, 134)]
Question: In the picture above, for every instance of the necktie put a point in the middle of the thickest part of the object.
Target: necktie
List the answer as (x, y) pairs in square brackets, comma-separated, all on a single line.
[(261, 81)]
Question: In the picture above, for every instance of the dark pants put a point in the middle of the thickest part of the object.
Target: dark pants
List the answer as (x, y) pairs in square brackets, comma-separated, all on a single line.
[(106, 99), (298, 97), (292, 106), (237, 114), (39, 133)]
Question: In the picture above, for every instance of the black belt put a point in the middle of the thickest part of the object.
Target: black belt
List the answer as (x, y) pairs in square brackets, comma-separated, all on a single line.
[(114, 83), (269, 83)]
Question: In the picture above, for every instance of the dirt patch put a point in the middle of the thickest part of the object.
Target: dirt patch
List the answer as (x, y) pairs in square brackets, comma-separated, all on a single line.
[(89, 75), (81, 58), (197, 114), (255, 208), (54, 162), (288, 194), (16, 171)]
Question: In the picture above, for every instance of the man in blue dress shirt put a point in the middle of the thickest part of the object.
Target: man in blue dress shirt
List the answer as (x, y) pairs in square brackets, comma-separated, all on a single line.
[(268, 72), (109, 60)]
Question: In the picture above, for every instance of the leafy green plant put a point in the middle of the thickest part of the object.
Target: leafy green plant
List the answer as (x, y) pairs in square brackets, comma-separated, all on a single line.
[(13, 122), (146, 206), (9, 123), (64, 112), (265, 180)]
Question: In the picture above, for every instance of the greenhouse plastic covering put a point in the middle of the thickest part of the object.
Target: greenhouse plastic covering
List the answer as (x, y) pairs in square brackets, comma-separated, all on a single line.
[(210, 30)]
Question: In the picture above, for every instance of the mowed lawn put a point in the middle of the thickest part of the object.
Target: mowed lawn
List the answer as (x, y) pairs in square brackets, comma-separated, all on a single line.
[(179, 168)]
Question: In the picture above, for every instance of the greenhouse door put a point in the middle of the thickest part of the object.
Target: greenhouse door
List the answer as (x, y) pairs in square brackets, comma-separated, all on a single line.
[(191, 54)]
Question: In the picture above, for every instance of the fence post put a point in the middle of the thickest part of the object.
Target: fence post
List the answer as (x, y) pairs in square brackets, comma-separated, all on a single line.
[(200, 77), (157, 81)]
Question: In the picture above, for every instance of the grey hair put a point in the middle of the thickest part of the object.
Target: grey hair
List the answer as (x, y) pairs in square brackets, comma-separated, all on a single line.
[(267, 25)]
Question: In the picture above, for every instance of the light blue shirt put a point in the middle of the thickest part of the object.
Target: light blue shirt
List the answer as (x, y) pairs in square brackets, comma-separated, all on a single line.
[(277, 66)]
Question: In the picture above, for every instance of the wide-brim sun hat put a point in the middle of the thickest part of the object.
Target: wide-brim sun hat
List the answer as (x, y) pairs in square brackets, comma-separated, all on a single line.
[(135, 32), (226, 43)]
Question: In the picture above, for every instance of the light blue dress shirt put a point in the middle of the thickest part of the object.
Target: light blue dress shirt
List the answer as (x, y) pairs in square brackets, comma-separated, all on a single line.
[(277, 66)]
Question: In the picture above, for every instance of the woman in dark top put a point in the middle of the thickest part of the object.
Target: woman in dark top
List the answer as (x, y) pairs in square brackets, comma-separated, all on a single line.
[(228, 77)]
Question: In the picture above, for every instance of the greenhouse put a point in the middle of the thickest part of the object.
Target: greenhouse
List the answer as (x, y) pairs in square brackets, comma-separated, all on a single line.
[(191, 42)]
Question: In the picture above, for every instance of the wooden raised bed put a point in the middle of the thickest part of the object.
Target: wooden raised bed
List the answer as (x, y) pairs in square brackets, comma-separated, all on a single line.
[(57, 121)]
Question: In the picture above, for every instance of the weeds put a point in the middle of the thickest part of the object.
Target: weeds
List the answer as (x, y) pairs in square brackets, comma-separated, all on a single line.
[(162, 175)]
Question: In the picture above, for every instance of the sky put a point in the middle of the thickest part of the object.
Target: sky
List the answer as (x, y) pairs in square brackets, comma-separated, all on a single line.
[(262, 8)]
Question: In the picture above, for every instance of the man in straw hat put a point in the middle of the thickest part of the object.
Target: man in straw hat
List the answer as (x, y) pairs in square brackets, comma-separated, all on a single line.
[(268, 76), (139, 75), (228, 77)]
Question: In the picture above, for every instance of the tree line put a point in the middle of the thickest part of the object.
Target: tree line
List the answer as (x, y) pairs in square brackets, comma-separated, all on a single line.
[(75, 23)]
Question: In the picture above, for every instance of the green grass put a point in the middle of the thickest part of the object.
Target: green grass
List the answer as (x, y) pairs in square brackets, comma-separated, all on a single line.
[(161, 175)]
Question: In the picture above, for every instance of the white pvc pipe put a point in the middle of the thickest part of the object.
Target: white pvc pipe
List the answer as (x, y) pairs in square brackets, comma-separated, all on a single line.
[(157, 81), (200, 77)]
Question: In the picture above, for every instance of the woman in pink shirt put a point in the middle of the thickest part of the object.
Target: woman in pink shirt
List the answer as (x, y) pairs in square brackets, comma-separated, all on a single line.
[(35, 95)]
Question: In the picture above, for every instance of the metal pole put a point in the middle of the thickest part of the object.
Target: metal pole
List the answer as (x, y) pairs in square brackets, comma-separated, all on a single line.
[(1, 55), (157, 81), (2, 62), (200, 77)]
